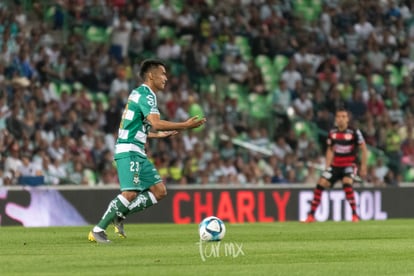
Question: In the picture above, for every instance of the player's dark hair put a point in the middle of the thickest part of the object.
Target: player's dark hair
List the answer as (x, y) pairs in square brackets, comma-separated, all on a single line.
[(341, 109), (149, 64)]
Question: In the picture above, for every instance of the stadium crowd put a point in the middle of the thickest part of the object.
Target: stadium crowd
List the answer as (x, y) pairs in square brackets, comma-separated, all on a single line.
[(66, 70)]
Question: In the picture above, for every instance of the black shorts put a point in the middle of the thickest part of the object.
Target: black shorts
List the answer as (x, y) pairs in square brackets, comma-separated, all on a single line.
[(334, 174)]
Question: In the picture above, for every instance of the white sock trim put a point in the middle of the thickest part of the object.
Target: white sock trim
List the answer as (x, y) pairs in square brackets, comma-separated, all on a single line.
[(152, 197), (123, 200), (97, 229)]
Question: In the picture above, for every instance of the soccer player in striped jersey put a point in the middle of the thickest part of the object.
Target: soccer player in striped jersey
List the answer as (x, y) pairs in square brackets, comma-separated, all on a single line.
[(341, 156), (140, 183)]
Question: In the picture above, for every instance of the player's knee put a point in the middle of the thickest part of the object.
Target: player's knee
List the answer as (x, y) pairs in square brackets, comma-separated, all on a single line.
[(162, 194), (347, 181), (159, 191), (129, 195), (324, 183)]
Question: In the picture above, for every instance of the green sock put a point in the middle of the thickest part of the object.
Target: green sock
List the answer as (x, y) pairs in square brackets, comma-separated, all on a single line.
[(117, 207), (142, 201)]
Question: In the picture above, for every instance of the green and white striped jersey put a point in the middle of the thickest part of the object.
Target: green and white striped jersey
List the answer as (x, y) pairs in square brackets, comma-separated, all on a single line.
[(134, 127)]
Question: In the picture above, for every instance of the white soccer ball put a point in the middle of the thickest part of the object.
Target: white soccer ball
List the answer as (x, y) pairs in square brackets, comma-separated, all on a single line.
[(211, 229)]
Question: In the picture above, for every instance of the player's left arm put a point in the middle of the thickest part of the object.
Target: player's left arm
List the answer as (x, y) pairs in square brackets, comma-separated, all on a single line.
[(364, 154), (162, 134), (364, 157)]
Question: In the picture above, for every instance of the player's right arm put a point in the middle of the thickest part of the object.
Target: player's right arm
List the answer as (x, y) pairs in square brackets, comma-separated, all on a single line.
[(329, 151), (328, 157), (161, 125)]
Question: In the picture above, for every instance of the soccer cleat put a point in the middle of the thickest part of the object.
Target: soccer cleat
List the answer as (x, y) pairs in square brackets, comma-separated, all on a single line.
[(310, 219), (99, 237), (355, 218), (119, 227)]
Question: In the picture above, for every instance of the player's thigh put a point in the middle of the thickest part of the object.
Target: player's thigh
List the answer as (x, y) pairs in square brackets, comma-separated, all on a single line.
[(136, 173), (159, 190), (329, 177), (149, 175), (348, 174)]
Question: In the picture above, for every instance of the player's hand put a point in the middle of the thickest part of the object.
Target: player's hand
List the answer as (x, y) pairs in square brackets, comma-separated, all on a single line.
[(363, 172), (194, 122), (164, 134)]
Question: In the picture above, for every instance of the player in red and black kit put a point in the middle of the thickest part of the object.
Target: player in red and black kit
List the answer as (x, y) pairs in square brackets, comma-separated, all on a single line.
[(341, 156)]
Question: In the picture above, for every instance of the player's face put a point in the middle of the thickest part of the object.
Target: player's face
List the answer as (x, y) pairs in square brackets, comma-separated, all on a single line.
[(159, 78), (341, 119)]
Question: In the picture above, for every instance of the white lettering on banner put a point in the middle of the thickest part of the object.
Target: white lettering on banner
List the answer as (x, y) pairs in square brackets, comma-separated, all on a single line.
[(322, 213), (366, 205), (379, 214), (334, 205), (337, 198)]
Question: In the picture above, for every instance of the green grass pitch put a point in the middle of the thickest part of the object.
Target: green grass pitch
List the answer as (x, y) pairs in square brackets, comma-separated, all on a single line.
[(290, 248)]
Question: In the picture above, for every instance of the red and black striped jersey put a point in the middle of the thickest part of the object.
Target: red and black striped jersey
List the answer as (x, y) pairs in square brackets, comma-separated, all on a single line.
[(345, 146)]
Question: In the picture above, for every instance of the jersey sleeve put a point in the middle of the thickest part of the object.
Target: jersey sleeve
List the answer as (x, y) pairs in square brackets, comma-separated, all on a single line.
[(148, 104), (329, 139), (360, 137)]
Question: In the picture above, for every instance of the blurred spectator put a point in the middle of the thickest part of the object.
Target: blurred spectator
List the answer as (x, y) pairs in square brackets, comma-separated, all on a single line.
[(356, 106), (237, 69), (363, 27), (376, 58), (303, 106), (167, 13), (281, 148), (121, 32), (119, 85), (14, 122), (28, 168), (169, 50), (12, 163), (290, 75)]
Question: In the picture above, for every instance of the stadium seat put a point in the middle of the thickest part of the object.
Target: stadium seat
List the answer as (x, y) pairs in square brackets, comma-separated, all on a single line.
[(270, 80), (244, 46), (280, 62), (262, 60), (396, 77), (177, 4), (238, 92), (259, 109), (303, 126), (91, 176), (49, 13), (64, 87), (166, 32), (409, 174), (214, 62), (377, 79), (97, 34)]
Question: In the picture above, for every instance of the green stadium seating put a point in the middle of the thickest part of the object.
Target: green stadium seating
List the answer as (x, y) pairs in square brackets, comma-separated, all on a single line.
[(97, 34), (166, 32), (396, 76), (263, 60), (280, 62), (408, 174), (308, 10), (377, 79), (177, 4), (238, 92), (243, 44), (259, 108)]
